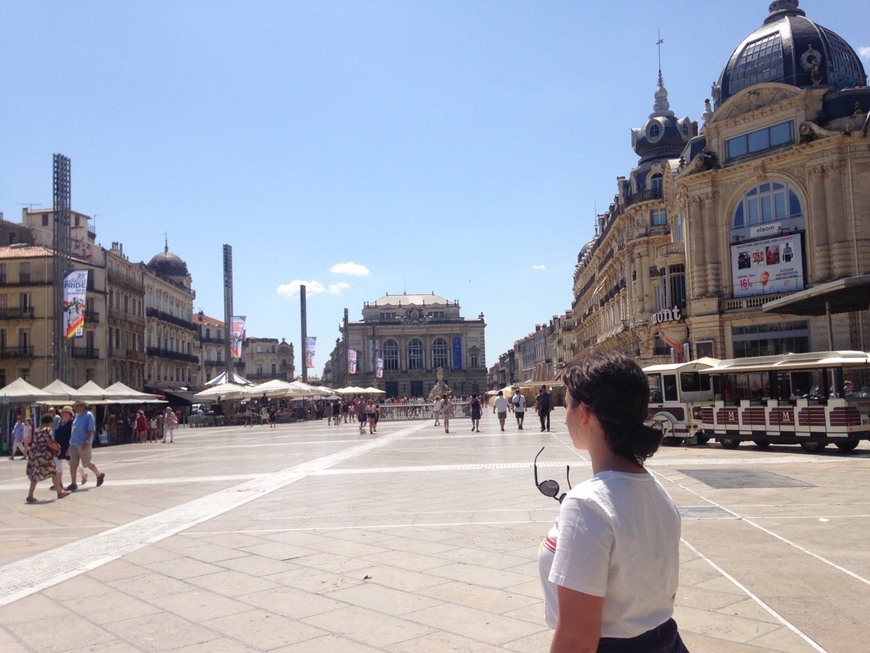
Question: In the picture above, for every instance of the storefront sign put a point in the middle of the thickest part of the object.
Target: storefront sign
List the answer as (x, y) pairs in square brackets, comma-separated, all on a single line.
[(668, 315)]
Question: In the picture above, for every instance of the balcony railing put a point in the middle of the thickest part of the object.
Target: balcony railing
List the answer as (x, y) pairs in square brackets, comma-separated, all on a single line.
[(747, 303), (85, 353), (16, 352), (671, 249), (16, 312), (172, 355), (92, 317), (166, 317)]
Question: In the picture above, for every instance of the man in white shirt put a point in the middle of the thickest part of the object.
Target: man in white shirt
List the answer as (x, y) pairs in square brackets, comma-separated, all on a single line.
[(519, 402), (500, 407)]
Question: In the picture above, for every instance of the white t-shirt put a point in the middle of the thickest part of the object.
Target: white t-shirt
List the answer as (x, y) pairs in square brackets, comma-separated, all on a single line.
[(501, 404), (436, 406), (519, 403), (617, 536)]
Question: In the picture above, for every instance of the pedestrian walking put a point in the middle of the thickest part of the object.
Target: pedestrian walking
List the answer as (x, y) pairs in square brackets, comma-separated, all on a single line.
[(543, 406), (170, 421), (436, 410), (18, 431), (609, 565), (62, 436), (500, 407), (474, 409), (83, 428), (40, 459), (519, 404), (446, 412)]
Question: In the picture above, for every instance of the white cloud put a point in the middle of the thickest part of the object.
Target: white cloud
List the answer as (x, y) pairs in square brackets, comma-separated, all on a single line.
[(864, 52), (539, 266), (351, 269), (311, 288)]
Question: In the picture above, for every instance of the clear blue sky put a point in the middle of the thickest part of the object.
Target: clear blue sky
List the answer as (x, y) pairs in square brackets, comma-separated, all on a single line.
[(454, 147)]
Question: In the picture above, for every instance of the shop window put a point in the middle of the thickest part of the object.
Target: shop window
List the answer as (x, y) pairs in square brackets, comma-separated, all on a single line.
[(768, 202)]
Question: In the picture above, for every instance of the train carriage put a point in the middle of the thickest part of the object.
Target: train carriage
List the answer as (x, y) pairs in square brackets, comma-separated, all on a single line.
[(811, 399), (678, 394)]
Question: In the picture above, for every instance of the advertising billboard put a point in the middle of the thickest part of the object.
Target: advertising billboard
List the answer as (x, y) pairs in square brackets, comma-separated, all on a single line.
[(768, 266)]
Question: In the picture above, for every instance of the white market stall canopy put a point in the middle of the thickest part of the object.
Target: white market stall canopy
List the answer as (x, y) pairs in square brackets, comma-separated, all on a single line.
[(118, 393), (21, 392)]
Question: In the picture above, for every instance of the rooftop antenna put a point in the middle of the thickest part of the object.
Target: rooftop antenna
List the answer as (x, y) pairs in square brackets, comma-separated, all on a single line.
[(28, 205)]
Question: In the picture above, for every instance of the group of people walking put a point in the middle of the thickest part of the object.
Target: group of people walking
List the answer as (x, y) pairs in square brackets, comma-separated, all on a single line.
[(64, 437), (159, 427), (442, 409)]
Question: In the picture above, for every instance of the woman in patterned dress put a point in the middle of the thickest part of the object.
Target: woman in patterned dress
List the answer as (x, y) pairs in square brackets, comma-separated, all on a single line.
[(40, 460)]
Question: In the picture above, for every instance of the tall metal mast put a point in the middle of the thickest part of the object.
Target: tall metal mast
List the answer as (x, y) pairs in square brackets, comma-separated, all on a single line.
[(62, 248), (228, 309)]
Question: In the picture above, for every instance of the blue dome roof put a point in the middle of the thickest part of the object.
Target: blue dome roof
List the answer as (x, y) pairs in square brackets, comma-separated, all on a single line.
[(789, 48)]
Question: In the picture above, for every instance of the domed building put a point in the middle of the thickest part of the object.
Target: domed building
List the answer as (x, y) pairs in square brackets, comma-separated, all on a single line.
[(775, 193), (716, 240), (170, 332)]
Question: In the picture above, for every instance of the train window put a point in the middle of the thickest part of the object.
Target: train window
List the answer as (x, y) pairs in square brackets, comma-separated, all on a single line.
[(670, 387), (694, 382), (690, 382), (655, 388)]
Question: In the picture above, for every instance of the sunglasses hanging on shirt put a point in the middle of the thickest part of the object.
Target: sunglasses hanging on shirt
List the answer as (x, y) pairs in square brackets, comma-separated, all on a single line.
[(551, 488)]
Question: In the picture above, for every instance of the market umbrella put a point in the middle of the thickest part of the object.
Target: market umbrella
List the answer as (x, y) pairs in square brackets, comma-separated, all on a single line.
[(301, 389), (223, 391), (273, 388), (119, 393), (221, 379), (350, 390), (371, 390)]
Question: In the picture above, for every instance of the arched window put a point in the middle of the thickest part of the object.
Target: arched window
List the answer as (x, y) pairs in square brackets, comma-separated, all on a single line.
[(439, 353), (657, 185), (767, 202), (391, 355), (415, 354)]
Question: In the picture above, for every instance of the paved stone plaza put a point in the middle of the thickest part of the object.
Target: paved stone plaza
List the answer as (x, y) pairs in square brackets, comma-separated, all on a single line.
[(308, 537)]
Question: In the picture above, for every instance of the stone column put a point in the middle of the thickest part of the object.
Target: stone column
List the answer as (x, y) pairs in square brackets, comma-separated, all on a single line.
[(713, 233), (695, 254), (838, 250), (816, 216)]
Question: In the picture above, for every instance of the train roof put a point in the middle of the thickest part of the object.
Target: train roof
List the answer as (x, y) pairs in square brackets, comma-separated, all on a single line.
[(794, 362), (688, 366)]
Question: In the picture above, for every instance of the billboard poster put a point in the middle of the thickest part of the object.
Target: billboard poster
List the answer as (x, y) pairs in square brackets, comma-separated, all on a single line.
[(457, 353), (379, 368), (351, 361), (310, 343), (75, 289), (768, 266), (237, 335)]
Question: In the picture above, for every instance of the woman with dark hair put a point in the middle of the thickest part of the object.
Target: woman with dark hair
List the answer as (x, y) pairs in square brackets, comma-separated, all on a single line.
[(610, 564)]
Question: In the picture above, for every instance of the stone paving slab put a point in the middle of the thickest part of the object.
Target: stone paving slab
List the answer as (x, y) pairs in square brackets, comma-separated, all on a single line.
[(310, 537)]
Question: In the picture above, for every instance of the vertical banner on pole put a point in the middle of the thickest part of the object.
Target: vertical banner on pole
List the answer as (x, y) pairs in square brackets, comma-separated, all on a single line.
[(379, 368), (310, 343), (237, 335), (351, 361), (75, 289)]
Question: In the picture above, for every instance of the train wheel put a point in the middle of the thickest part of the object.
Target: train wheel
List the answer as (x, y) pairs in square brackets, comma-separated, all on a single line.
[(666, 427), (849, 445), (729, 443), (762, 444), (813, 446)]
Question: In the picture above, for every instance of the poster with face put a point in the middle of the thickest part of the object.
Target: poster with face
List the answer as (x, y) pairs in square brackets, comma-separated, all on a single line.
[(767, 266)]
